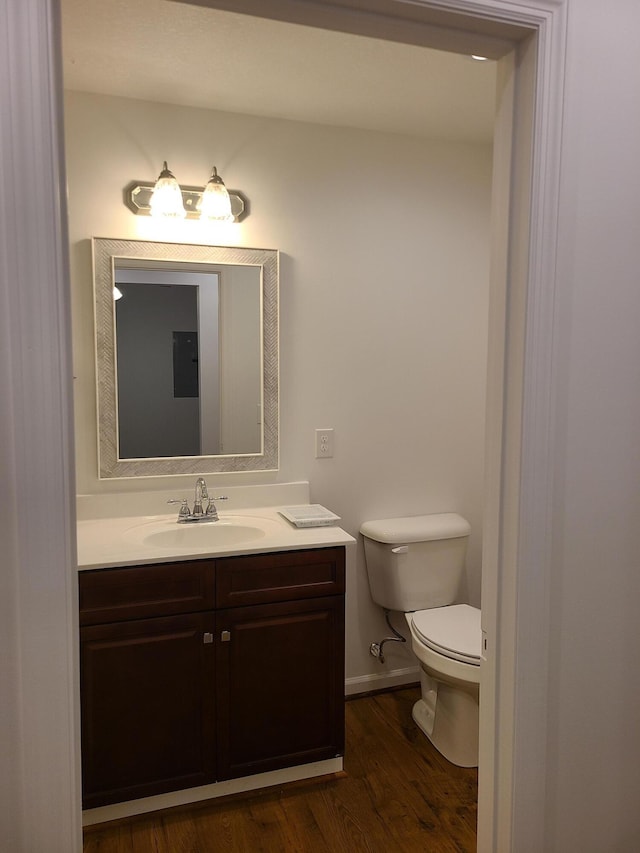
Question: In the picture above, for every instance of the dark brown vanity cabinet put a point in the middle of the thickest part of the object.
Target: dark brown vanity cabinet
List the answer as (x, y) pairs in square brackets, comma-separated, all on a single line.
[(207, 670)]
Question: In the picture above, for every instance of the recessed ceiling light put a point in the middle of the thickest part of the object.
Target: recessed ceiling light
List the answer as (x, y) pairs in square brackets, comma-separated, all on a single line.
[(479, 58)]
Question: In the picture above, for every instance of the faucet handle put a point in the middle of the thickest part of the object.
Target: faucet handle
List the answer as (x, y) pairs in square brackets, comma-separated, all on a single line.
[(211, 507), (184, 511)]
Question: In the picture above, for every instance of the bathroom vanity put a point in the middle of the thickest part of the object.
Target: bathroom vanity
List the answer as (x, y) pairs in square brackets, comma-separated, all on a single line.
[(212, 652), (223, 664)]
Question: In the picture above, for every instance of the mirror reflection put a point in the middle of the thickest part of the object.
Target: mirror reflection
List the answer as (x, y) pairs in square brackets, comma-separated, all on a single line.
[(189, 365), (186, 344)]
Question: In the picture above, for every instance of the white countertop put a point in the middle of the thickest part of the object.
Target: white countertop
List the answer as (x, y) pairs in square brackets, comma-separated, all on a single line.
[(136, 540)]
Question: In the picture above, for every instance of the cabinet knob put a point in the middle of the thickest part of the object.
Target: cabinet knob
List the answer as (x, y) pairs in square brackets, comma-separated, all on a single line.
[(225, 636), (207, 638)]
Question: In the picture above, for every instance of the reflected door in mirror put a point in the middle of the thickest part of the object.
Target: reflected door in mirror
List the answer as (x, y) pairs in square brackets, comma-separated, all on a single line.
[(188, 361)]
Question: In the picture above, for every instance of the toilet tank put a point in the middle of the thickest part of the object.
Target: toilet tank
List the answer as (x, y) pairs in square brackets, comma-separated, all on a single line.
[(417, 562)]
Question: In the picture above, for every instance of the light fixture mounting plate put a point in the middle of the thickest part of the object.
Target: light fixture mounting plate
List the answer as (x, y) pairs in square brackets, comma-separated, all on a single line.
[(137, 196)]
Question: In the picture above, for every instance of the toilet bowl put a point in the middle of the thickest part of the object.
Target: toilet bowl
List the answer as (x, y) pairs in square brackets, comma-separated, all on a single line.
[(415, 566), (447, 642)]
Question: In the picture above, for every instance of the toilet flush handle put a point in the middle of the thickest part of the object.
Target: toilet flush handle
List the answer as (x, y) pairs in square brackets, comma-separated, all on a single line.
[(401, 549)]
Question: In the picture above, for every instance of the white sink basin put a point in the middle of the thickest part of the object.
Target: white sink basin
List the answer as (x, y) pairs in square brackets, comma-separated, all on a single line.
[(230, 531), (216, 534)]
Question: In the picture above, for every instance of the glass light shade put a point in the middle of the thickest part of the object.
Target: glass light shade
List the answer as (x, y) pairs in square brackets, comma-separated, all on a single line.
[(215, 203), (166, 199)]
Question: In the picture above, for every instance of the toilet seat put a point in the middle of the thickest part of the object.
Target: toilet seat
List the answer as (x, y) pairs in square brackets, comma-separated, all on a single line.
[(453, 631)]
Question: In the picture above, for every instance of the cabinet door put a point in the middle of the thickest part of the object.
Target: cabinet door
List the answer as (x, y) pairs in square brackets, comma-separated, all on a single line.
[(280, 685), (147, 707)]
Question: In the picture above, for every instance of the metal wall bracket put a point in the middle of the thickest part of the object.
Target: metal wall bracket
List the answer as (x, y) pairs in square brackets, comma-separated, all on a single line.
[(137, 196)]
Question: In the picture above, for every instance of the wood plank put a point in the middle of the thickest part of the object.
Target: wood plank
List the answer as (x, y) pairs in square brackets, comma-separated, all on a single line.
[(398, 795)]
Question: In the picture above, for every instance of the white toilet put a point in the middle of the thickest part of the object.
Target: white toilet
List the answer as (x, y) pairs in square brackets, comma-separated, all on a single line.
[(415, 566)]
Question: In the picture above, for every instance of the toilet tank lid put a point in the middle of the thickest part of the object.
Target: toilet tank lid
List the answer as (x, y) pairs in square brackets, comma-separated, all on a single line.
[(416, 528)]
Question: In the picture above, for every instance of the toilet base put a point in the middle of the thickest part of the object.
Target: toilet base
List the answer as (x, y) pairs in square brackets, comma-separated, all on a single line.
[(449, 717)]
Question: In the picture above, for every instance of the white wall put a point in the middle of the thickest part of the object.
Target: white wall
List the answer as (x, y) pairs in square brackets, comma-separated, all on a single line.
[(383, 302), (240, 403)]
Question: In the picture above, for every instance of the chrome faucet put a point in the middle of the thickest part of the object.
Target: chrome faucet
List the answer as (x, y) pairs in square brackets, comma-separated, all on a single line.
[(185, 515), (201, 494)]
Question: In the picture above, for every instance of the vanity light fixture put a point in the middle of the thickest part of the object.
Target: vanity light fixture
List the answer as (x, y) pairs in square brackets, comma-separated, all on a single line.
[(166, 198), (215, 202)]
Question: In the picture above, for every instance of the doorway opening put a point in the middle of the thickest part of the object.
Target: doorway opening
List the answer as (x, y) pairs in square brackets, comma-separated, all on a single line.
[(508, 308)]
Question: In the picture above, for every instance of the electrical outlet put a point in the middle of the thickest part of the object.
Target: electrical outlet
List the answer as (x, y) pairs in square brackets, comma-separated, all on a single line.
[(324, 443)]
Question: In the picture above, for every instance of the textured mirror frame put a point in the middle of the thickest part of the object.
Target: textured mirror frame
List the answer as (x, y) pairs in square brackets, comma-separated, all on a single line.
[(104, 252)]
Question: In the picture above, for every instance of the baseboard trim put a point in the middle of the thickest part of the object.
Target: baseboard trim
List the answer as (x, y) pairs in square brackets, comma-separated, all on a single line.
[(381, 681), (189, 796)]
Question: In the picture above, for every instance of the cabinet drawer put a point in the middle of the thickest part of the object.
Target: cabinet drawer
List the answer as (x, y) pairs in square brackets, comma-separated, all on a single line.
[(284, 576), (137, 592)]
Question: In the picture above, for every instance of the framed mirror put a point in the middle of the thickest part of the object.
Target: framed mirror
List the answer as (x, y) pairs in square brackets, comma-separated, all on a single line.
[(186, 358)]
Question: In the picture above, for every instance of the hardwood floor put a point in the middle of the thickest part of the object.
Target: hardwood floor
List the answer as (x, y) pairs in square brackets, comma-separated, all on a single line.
[(398, 795)]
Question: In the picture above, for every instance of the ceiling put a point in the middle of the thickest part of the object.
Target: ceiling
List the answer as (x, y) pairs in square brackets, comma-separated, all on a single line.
[(159, 50)]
